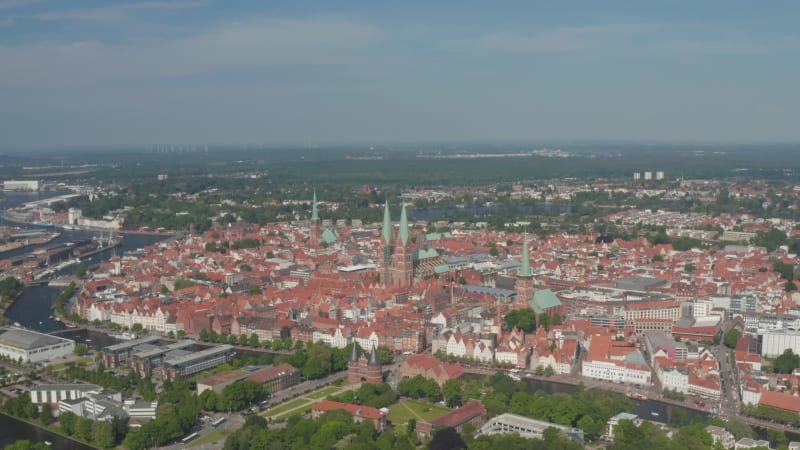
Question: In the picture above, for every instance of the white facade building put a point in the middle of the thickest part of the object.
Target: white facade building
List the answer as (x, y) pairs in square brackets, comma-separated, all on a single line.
[(774, 342), (32, 347)]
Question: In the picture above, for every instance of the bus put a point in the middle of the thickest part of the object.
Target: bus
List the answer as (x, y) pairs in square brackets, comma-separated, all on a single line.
[(189, 438), (218, 422)]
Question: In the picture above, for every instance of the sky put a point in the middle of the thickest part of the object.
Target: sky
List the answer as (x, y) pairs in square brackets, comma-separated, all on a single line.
[(213, 72)]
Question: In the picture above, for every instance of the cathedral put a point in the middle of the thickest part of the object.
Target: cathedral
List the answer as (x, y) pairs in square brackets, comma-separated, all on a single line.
[(398, 254)]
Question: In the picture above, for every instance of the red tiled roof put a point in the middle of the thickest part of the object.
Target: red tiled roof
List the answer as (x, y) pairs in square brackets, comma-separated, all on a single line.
[(268, 373), (367, 412), (458, 416), (780, 400)]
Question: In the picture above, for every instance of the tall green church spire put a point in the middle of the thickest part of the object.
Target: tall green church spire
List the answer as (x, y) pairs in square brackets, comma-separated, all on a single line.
[(403, 233), (387, 224), (314, 214), (525, 268)]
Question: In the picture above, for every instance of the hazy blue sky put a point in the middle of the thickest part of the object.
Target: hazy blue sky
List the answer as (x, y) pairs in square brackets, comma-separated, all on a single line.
[(207, 72)]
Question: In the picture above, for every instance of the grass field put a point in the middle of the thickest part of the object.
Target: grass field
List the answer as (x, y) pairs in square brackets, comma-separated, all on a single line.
[(400, 413), (214, 436), (285, 407), (324, 392)]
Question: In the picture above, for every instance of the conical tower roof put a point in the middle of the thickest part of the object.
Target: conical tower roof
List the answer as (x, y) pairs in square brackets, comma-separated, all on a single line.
[(373, 357), (314, 214), (387, 224), (525, 268), (354, 353), (403, 232)]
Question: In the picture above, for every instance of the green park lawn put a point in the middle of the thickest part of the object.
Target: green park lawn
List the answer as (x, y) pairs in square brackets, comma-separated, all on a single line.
[(401, 412), (324, 392), (285, 407)]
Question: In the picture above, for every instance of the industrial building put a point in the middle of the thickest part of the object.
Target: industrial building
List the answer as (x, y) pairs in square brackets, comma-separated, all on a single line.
[(148, 357), (118, 355), (32, 347), (21, 185), (181, 364), (774, 342), (92, 401), (525, 427)]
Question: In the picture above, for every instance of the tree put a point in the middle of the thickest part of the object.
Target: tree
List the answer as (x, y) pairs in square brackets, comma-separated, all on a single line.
[(46, 416), (68, 421), (451, 390), (446, 439), (84, 429), (544, 321), (253, 340), (385, 355), (786, 362), (254, 289), (730, 338), (81, 349), (689, 268), (523, 319), (102, 434), (411, 426)]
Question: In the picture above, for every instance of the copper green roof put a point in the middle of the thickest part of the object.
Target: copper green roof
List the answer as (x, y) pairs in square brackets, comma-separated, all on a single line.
[(314, 214), (329, 236), (543, 300), (426, 253), (403, 233), (387, 225)]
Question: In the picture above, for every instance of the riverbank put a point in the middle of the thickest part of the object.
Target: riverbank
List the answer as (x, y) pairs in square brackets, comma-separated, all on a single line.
[(13, 429)]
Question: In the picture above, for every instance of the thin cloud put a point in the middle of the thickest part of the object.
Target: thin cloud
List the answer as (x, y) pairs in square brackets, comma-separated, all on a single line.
[(251, 44), (653, 38), (560, 40), (112, 13)]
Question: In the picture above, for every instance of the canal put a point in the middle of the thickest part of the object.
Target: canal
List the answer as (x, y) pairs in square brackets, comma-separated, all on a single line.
[(12, 430)]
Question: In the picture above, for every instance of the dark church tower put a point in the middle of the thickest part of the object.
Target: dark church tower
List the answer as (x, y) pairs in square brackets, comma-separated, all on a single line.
[(402, 261), (524, 278)]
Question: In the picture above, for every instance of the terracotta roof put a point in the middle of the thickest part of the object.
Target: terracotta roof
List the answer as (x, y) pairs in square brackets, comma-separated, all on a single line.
[(780, 400), (366, 412), (458, 416)]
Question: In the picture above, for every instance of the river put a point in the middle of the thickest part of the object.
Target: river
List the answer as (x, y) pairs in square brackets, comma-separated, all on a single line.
[(33, 309), (12, 430)]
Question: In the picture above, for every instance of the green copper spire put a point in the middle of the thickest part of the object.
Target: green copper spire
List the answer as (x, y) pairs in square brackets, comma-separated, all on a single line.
[(387, 224), (314, 215), (403, 233), (525, 268)]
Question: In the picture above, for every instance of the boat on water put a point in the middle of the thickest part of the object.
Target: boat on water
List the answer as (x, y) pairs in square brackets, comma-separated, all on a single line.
[(126, 336), (653, 413), (48, 443), (43, 224)]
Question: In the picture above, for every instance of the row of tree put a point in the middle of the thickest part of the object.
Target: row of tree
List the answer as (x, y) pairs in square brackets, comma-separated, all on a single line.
[(234, 396)]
